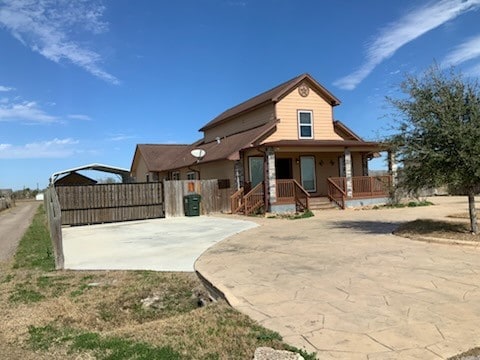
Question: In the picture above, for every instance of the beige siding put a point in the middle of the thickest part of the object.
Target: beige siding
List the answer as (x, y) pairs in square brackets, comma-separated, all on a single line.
[(140, 172), (241, 123), (287, 109), (214, 170), (357, 164)]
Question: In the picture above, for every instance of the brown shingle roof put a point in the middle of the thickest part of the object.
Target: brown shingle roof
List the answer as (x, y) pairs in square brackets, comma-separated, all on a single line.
[(272, 95), (159, 157), (163, 157)]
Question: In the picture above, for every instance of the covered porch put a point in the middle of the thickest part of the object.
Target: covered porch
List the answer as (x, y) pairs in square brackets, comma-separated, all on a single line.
[(283, 178)]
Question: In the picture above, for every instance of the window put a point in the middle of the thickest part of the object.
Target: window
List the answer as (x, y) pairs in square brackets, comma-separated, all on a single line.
[(224, 183), (305, 124), (192, 175), (175, 175)]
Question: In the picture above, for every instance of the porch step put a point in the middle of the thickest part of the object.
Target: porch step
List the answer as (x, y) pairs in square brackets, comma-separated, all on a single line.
[(321, 203)]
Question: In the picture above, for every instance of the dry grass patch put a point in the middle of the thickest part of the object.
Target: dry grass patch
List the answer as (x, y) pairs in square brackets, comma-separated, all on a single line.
[(49, 314), (462, 215), (420, 229)]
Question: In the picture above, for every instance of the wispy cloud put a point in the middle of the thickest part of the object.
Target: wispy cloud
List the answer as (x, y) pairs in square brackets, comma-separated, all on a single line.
[(5, 88), (120, 137), (79, 117), (464, 52), (399, 33), (26, 111), (56, 148), (48, 27)]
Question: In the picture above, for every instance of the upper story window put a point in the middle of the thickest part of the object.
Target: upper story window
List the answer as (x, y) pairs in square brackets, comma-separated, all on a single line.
[(175, 175), (191, 175), (305, 124)]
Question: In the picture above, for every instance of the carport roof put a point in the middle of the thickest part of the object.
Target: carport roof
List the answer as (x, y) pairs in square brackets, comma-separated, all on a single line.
[(124, 173)]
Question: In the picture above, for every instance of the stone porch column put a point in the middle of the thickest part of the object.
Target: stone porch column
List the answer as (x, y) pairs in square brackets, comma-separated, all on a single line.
[(271, 176), (348, 172), (392, 167)]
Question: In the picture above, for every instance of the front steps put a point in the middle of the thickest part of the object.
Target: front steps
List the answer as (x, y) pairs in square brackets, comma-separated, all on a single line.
[(321, 203)]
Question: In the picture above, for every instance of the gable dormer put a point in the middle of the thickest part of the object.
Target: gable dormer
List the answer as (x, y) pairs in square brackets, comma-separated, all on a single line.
[(305, 113), (303, 107)]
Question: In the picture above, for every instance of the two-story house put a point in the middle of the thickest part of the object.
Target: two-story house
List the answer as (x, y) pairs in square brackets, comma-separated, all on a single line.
[(278, 148)]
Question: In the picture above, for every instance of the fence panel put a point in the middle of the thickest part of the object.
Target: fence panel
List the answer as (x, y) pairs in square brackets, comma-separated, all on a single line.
[(212, 200), (101, 203)]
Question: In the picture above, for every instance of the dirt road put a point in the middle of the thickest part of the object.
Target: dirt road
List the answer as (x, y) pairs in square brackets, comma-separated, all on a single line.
[(13, 224)]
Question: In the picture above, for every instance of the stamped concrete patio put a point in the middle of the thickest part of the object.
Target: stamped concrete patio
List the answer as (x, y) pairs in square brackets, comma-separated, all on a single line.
[(341, 285)]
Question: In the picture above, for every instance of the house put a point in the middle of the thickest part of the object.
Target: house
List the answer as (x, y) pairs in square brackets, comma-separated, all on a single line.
[(74, 178), (281, 148)]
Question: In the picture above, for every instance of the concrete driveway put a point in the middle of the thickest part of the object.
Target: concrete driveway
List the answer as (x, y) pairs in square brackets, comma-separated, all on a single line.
[(341, 285), (159, 244)]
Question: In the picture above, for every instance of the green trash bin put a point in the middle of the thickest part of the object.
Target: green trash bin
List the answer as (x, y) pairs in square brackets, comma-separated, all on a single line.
[(191, 204)]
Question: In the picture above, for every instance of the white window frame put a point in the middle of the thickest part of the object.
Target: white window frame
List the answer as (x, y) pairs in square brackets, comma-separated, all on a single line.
[(300, 125), (190, 177), (175, 175)]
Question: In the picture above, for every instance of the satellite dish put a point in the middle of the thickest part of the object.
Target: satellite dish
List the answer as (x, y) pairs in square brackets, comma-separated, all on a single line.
[(198, 153)]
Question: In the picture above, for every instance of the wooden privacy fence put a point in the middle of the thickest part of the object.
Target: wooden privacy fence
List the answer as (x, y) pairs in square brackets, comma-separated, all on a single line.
[(52, 208), (212, 199), (101, 203)]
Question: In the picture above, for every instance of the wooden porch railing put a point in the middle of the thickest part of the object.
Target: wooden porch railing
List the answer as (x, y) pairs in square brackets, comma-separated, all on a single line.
[(362, 187), (254, 200), (290, 191), (301, 196), (336, 192), (236, 201), (371, 186)]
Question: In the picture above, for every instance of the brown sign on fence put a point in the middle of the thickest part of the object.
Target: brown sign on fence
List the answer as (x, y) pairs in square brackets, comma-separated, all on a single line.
[(101, 203)]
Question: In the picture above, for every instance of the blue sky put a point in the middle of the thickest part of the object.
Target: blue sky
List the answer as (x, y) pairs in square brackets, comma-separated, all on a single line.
[(85, 81)]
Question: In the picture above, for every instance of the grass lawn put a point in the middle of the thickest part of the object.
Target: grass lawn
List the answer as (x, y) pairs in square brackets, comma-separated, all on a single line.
[(48, 314)]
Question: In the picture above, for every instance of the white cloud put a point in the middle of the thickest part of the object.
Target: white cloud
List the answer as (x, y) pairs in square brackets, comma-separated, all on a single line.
[(464, 52), (48, 27), (28, 111), (79, 117), (120, 137), (399, 33), (56, 148), (5, 88)]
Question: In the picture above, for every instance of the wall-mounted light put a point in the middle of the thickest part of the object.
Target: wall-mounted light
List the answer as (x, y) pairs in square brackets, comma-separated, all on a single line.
[(320, 163), (297, 160), (332, 162)]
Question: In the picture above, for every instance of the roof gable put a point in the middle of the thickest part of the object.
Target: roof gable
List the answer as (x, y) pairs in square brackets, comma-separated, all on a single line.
[(158, 157), (272, 96), (345, 132)]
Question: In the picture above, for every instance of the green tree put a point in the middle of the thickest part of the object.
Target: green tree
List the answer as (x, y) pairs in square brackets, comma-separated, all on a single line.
[(437, 133)]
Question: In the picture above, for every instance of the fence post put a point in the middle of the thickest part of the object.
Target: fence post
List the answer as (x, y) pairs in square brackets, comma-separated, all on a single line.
[(54, 216)]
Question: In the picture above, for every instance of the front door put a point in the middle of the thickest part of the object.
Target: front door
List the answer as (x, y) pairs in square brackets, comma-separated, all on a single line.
[(255, 169), (307, 172), (283, 168)]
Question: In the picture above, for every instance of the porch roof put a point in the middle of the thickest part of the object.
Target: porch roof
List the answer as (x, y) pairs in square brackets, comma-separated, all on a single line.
[(325, 144)]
